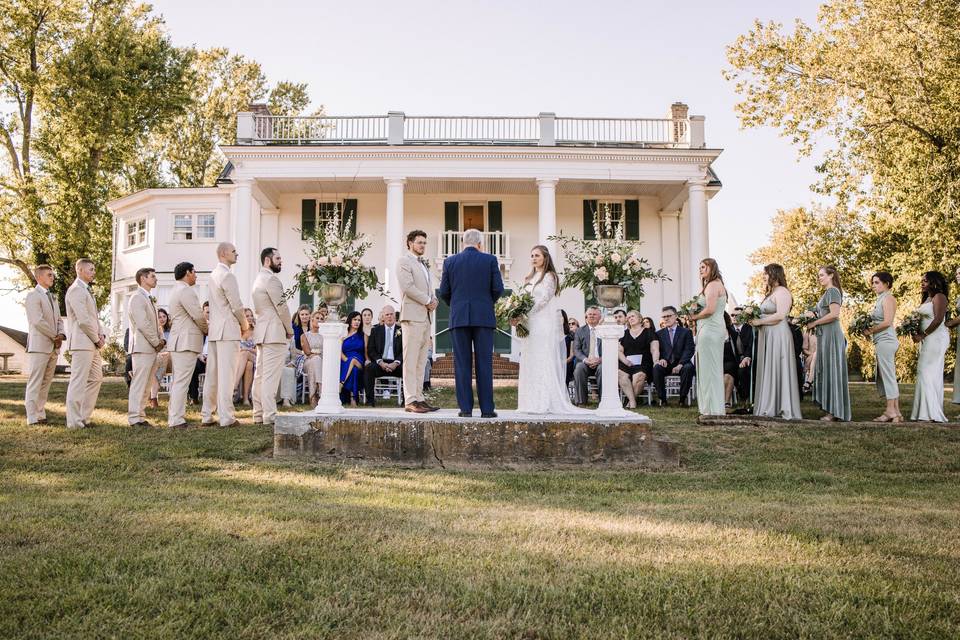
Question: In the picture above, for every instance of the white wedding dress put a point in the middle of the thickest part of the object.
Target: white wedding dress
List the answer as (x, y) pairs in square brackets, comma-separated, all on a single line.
[(542, 387), (928, 392)]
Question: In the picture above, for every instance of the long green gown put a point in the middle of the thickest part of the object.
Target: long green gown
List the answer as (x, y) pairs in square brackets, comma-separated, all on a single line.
[(886, 345), (830, 385), (711, 334)]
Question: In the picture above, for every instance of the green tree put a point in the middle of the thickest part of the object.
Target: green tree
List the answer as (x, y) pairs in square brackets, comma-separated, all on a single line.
[(878, 82)]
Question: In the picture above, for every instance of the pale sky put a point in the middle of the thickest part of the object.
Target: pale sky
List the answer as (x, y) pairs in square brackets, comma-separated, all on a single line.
[(629, 58)]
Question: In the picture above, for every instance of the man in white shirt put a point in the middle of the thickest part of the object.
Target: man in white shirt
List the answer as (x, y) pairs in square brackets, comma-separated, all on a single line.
[(272, 335), (45, 335), (586, 349), (83, 343), (146, 341), (187, 330), (227, 323)]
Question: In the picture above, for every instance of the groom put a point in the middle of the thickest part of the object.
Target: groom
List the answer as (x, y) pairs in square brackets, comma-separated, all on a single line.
[(470, 285)]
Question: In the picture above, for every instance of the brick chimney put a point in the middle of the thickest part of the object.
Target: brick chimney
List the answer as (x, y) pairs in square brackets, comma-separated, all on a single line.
[(679, 112), (261, 109)]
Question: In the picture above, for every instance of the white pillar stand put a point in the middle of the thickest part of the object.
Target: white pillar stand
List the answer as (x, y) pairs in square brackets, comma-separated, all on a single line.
[(610, 333), (332, 333)]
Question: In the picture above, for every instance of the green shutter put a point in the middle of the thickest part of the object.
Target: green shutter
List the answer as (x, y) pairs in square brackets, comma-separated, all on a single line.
[(494, 215), (308, 218), (631, 214), (451, 216), (350, 211), (306, 297), (589, 214)]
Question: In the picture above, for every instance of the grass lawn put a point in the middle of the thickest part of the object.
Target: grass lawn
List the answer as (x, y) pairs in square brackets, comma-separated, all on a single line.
[(815, 531)]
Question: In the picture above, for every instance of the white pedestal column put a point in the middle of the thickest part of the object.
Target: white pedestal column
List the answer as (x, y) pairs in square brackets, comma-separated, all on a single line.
[(699, 246), (242, 224), (610, 333), (395, 237), (332, 333), (547, 210)]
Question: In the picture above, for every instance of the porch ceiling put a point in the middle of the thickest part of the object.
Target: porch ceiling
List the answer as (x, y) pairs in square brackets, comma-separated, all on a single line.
[(493, 187)]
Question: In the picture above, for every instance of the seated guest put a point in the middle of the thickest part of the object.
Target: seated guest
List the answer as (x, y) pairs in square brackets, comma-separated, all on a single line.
[(384, 351), (743, 348), (353, 355), (162, 366), (620, 317), (586, 349), (676, 356), (366, 315), (311, 343), (639, 349), (193, 391), (300, 322), (246, 363), (570, 326)]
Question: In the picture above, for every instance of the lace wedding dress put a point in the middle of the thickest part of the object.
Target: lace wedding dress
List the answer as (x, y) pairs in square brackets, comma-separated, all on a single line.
[(542, 386)]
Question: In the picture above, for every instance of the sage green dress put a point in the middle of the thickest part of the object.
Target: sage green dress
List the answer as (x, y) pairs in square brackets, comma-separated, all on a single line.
[(777, 393), (956, 366), (711, 334), (830, 384), (886, 345)]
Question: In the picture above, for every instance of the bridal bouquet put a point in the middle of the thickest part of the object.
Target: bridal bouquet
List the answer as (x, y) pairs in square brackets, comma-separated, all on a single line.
[(751, 311), (335, 255), (911, 325), (690, 307), (516, 306), (860, 324)]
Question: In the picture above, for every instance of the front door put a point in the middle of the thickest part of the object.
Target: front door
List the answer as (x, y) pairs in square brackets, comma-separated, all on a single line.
[(473, 217)]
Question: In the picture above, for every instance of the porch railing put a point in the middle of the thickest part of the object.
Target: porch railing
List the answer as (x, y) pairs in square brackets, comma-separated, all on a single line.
[(494, 242), (396, 128)]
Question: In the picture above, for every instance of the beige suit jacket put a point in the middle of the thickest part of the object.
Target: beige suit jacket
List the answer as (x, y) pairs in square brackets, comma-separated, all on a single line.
[(226, 310), (44, 320), (415, 288), (188, 325), (82, 317), (145, 333), (272, 312)]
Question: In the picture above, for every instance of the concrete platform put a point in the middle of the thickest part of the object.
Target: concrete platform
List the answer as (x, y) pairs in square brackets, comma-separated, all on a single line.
[(443, 438)]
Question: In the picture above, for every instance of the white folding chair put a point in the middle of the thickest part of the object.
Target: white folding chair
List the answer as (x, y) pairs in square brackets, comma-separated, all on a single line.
[(387, 387)]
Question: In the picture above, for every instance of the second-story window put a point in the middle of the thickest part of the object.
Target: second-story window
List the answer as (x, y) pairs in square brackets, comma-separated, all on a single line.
[(136, 233), (194, 226)]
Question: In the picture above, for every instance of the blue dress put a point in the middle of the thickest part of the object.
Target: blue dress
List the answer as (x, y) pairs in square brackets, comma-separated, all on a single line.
[(352, 382)]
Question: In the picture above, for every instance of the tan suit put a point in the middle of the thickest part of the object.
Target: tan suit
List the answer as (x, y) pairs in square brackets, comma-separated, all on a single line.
[(145, 338), (45, 324), (187, 329), (416, 293), (86, 368), (272, 335), (223, 342)]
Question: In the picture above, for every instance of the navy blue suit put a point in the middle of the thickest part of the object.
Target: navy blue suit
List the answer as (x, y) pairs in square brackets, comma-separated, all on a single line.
[(471, 284), (678, 351)]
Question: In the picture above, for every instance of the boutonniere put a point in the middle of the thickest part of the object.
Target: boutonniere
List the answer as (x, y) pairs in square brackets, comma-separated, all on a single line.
[(153, 300), (397, 332), (424, 262)]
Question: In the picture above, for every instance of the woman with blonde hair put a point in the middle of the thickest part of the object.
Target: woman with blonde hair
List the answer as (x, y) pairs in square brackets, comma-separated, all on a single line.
[(639, 349), (711, 334), (777, 393), (830, 382), (311, 343)]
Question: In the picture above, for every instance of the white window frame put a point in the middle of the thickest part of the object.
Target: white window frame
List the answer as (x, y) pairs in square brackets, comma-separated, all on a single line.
[(139, 241), (611, 203), (321, 217), (194, 227)]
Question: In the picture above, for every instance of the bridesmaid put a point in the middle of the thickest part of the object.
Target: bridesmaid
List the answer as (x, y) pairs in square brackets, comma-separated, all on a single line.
[(954, 322), (886, 346), (777, 393), (711, 333), (830, 384), (934, 340)]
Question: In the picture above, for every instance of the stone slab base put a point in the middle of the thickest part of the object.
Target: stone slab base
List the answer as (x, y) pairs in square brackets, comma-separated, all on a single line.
[(763, 421), (443, 439)]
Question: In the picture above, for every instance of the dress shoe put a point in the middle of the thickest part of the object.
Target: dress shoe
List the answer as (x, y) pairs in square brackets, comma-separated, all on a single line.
[(465, 414), (142, 423), (430, 407), (182, 425), (235, 423), (211, 423), (154, 403), (413, 407), (492, 414), (34, 424), (42, 421)]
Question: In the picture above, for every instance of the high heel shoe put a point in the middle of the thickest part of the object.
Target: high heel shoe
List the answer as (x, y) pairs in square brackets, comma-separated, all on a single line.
[(884, 418)]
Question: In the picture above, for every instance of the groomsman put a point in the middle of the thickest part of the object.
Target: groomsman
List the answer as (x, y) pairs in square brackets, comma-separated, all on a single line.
[(189, 325), (272, 335), (417, 302), (145, 342), (227, 322), (83, 344), (44, 337), (743, 348)]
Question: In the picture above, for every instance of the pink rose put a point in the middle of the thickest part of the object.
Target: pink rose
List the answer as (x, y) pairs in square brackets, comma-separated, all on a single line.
[(601, 273), (323, 261), (615, 256), (336, 261), (312, 265), (598, 260)]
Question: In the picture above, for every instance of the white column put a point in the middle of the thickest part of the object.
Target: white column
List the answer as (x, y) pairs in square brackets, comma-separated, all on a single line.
[(329, 402), (242, 238), (395, 238), (269, 228), (670, 252), (699, 246), (547, 209), (610, 333)]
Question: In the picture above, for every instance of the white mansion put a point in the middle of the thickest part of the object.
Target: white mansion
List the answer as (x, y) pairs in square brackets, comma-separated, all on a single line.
[(517, 179)]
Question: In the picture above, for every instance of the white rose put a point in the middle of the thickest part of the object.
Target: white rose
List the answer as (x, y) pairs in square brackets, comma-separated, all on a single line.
[(615, 257), (600, 273)]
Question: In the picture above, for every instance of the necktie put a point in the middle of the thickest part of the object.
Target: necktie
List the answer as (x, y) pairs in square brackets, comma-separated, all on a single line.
[(53, 305), (388, 344), (593, 344)]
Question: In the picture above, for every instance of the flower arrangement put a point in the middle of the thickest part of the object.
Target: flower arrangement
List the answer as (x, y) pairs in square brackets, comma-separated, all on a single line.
[(612, 260), (335, 255), (750, 311), (860, 323), (911, 325), (690, 307), (516, 306)]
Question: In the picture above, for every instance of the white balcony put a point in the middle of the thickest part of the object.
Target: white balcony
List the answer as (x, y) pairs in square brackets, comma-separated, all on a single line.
[(496, 243), (545, 130)]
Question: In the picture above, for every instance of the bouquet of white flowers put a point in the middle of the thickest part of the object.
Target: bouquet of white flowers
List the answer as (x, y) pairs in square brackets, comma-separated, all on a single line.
[(911, 325), (516, 306), (690, 307), (860, 324), (750, 311)]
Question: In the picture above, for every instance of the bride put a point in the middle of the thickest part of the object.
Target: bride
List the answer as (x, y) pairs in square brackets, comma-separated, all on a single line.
[(542, 387)]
